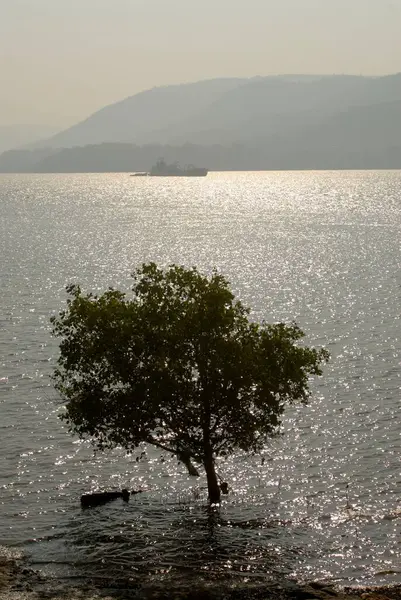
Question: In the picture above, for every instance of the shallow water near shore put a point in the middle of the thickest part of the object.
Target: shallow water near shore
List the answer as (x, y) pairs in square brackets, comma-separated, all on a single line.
[(320, 248)]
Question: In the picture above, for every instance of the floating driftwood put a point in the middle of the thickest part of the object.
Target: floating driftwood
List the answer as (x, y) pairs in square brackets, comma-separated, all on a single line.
[(99, 498)]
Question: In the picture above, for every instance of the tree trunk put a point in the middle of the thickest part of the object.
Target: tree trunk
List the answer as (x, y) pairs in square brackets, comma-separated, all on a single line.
[(212, 482)]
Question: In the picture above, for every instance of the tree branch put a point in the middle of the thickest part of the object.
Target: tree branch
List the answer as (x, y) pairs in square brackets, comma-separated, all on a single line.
[(153, 442), (182, 457)]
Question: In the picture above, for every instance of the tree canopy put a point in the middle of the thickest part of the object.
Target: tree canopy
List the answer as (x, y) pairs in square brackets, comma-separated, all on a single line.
[(179, 365)]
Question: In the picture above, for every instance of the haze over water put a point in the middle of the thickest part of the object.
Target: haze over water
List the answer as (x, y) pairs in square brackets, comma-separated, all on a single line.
[(321, 248)]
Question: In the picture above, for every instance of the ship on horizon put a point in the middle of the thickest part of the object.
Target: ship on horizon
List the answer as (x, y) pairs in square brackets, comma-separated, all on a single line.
[(162, 169)]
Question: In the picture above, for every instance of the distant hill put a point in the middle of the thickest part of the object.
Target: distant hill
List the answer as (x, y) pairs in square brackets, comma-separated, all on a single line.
[(226, 111), (276, 106), (135, 119), (280, 154), (24, 161), (15, 136), (289, 122)]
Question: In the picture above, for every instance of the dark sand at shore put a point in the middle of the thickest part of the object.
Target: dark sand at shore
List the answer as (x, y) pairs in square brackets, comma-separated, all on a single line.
[(20, 583)]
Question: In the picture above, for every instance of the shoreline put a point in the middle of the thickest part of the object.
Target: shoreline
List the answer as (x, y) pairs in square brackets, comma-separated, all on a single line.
[(18, 582)]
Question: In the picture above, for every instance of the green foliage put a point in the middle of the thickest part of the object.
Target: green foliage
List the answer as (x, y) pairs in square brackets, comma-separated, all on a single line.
[(178, 365)]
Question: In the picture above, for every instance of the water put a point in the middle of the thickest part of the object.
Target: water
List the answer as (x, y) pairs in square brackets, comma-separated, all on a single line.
[(323, 248)]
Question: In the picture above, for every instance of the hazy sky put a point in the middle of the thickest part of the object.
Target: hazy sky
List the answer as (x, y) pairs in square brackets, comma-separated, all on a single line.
[(61, 60)]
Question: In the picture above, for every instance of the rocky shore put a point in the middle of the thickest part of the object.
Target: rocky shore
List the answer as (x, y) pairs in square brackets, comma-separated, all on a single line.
[(20, 583)]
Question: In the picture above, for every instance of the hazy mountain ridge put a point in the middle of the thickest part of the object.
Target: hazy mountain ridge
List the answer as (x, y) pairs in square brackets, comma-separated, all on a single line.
[(135, 118), (14, 136), (224, 108), (263, 123)]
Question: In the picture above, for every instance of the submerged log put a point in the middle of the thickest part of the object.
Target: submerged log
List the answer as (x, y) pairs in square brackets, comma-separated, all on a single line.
[(99, 498)]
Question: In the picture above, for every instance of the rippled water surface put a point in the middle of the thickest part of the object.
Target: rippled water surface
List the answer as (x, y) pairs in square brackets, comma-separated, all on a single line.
[(323, 248)]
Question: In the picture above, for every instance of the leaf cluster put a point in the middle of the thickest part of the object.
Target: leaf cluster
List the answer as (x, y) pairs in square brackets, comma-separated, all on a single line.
[(176, 364)]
